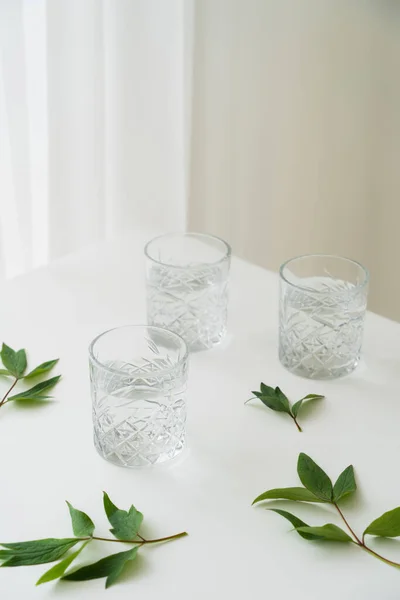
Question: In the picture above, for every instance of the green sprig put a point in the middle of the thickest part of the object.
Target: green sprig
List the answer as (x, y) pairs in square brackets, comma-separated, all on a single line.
[(125, 528), (15, 363), (318, 487), (276, 400)]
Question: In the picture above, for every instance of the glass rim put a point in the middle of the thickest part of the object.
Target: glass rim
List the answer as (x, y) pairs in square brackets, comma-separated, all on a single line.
[(139, 372), (226, 255), (357, 287)]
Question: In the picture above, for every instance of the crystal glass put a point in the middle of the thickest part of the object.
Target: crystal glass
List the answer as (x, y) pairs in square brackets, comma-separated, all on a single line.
[(322, 308), (187, 286), (138, 378)]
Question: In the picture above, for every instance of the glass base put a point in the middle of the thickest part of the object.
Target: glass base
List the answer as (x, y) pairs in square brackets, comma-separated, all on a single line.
[(131, 457), (314, 367)]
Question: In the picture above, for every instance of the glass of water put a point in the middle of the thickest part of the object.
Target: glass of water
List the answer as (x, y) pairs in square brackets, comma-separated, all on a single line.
[(187, 286), (323, 301), (138, 379)]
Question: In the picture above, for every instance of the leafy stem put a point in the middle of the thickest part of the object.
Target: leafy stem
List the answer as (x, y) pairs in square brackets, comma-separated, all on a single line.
[(276, 400), (319, 488), (125, 529), (15, 363)]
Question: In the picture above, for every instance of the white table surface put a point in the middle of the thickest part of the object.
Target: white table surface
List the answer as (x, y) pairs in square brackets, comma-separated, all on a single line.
[(234, 453)]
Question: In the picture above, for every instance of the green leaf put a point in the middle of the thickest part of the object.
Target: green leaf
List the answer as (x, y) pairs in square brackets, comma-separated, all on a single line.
[(329, 532), (292, 493), (345, 484), (125, 524), (387, 525), (36, 393), (82, 525), (5, 372), (35, 552), (275, 400), (283, 399), (266, 390), (14, 362), (43, 368), (59, 569), (314, 478), (297, 405), (110, 567), (297, 523)]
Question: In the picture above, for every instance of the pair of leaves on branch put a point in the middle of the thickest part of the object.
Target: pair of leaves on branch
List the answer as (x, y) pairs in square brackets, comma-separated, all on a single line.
[(16, 365), (276, 400), (125, 528), (318, 488)]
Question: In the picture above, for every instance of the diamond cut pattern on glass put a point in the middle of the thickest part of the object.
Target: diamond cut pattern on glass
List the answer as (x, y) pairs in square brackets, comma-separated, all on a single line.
[(139, 415), (321, 333), (191, 302)]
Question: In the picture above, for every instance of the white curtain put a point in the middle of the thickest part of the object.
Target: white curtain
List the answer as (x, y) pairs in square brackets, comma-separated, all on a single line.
[(272, 123), (93, 111)]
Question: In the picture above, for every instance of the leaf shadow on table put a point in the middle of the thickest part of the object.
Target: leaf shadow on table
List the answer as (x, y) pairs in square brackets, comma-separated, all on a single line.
[(28, 405), (390, 544), (137, 569)]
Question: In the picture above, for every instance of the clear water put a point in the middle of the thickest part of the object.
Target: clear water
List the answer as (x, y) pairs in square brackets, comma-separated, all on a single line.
[(321, 333), (191, 302), (139, 422)]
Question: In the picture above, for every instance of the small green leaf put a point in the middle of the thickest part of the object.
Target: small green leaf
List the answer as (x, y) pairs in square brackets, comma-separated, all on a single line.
[(345, 484), (266, 390), (14, 362), (59, 569), (82, 525), (297, 523), (314, 478), (283, 399), (297, 405), (110, 567), (125, 524), (5, 373), (273, 402), (329, 532), (298, 494), (387, 525), (35, 552), (36, 393), (43, 368)]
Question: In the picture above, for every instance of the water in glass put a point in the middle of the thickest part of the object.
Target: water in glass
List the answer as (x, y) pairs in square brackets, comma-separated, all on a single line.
[(321, 326)]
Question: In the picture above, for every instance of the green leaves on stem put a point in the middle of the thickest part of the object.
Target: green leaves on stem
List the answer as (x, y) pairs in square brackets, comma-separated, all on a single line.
[(388, 525), (15, 363), (126, 526), (276, 400), (318, 488)]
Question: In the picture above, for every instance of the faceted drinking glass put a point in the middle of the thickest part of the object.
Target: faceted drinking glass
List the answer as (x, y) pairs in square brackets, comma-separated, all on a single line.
[(138, 378), (187, 286), (323, 300)]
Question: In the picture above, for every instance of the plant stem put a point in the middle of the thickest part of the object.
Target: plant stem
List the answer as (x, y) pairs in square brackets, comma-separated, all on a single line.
[(141, 541), (359, 542), (8, 392), (297, 425), (362, 544)]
